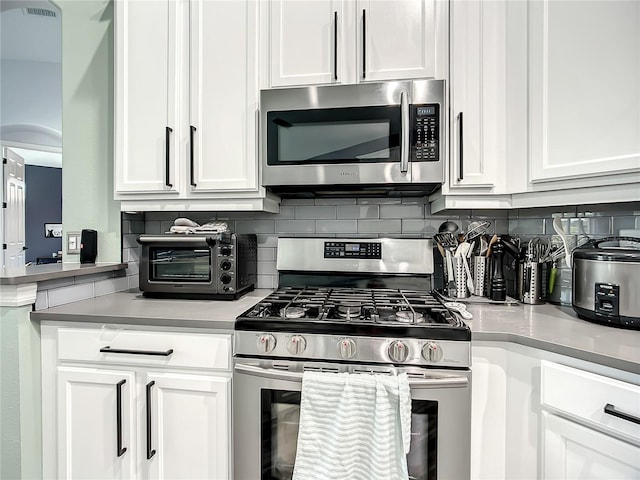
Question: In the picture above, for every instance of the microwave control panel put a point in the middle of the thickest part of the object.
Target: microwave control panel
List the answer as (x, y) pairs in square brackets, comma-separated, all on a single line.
[(352, 250), (425, 133)]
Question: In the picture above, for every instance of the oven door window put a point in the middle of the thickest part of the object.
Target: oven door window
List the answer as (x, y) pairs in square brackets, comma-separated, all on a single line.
[(179, 264), (280, 414), (334, 135)]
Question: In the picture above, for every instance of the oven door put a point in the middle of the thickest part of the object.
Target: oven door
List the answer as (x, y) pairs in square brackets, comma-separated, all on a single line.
[(266, 403)]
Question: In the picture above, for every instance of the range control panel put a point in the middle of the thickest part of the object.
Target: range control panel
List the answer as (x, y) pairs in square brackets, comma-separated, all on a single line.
[(425, 133), (352, 250)]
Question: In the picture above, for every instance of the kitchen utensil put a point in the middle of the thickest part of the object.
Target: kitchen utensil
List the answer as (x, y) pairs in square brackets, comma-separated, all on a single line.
[(530, 283), (462, 252), (493, 240), (476, 229), (460, 308), (461, 289), (448, 226), (552, 277), (568, 242)]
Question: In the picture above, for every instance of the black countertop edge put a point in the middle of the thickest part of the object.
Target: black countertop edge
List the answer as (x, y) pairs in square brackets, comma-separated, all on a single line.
[(52, 271)]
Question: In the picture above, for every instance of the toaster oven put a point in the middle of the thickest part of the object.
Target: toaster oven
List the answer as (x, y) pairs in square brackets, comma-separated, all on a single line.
[(221, 266)]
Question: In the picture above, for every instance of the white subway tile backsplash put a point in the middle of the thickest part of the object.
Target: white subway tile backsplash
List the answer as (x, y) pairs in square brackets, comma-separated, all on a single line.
[(93, 278), (298, 201), (255, 226), (270, 241), (623, 223), (133, 268), (380, 226), (73, 293), (358, 212), (335, 201), (267, 254), (336, 226), (152, 227), (112, 285), (295, 226), (426, 228), (57, 283), (267, 281), (378, 201), (533, 226), (134, 281), (267, 268), (129, 240), (401, 211), (315, 213)]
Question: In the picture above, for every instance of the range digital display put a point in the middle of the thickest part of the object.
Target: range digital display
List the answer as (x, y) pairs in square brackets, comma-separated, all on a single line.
[(370, 250)]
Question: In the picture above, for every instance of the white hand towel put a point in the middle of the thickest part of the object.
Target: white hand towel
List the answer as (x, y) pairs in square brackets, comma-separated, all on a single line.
[(353, 427)]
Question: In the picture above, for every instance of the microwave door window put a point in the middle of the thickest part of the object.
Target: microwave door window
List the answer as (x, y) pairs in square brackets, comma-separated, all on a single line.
[(346, 135), (180, 264)]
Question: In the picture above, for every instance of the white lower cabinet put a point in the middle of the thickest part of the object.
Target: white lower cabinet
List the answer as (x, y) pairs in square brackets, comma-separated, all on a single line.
[(145, 410), (572, 451), (537, 414)]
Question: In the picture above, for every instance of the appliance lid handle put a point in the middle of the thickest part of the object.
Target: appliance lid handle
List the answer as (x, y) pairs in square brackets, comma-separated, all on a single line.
[(414, 381), (404, 146)]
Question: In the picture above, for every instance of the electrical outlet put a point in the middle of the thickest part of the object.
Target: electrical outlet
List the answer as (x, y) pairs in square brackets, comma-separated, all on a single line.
[(73, 242)]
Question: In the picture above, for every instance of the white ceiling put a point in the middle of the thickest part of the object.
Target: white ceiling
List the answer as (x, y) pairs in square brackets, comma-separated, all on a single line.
[(31, 33)]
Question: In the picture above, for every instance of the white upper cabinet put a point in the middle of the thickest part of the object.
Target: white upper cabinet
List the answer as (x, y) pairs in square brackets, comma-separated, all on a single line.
[(584, 67), (186, 106), (307, 41), (147, 84), (346, 41), (477, 81)]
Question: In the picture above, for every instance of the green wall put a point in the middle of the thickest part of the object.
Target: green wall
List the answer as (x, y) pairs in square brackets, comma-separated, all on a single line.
[(87, 125)]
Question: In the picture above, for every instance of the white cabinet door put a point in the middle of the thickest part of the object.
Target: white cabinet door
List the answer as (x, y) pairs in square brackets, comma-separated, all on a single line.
[(478, 127), (397, 39), (572, 451), (96, 416), (190, 426), (306, 48), (223, 96), (147, 49), (584, 96)]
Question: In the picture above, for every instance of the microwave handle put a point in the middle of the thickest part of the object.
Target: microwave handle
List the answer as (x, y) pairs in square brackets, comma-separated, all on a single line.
[(404, 147)]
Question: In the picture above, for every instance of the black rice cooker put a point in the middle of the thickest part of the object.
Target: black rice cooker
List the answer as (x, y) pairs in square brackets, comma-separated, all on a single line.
[(606, 281)]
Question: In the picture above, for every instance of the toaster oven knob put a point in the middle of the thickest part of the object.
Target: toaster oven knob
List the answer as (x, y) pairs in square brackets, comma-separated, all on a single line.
[(398, 351), (225, 265), (226, 251), (225, 278), (432, 352), (296, 344), (347, 348), (266, 343)]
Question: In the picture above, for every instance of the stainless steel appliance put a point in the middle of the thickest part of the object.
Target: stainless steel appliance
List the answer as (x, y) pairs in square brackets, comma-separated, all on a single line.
[(215, 266), (374, 138), (360, 306), (605, 281)]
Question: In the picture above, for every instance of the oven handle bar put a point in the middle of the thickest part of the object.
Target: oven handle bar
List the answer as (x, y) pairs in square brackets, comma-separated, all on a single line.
[(276, 374)]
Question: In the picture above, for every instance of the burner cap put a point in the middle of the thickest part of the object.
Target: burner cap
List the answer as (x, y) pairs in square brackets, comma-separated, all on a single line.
[(407, 316), (292, 312), (350, 310)]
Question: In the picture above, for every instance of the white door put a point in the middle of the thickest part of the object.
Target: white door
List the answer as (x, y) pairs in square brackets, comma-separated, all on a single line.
[(92, 403), (572, 451), (147, 50), (223, 103), (584, 88), (12, 224), (190, 428), (397, 39), (306, 48), (477, 93)]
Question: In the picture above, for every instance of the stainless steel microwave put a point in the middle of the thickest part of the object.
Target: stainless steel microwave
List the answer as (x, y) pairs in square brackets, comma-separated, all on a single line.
[(374, 138)]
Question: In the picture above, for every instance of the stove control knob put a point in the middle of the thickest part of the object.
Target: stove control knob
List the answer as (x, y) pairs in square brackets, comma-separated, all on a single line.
[(225, 265), (432, 352), (398, 351), (226, 251), (225, 278), (266, 343), (296, 344), (347, 348)]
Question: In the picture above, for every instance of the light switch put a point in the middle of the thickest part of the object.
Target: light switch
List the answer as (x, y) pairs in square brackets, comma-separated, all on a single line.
[(73, 242)]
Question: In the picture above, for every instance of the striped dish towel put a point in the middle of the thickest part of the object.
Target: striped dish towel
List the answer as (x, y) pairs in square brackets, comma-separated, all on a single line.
[(353, 427)]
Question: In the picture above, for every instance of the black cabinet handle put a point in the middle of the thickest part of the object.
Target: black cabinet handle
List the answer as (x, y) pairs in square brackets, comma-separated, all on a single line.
[(191, 133), (120, 448), (461, 157), (150, 451), (364, 44), (108, 349), (611, 410), (335, 46), (167, 144)]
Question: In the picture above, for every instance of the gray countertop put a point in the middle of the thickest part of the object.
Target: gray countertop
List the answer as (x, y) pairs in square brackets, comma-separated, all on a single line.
[(551, 328), (51, 271)]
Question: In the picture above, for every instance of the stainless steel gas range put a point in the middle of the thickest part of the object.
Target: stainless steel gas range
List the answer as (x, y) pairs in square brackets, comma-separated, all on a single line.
[(360, 306)]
